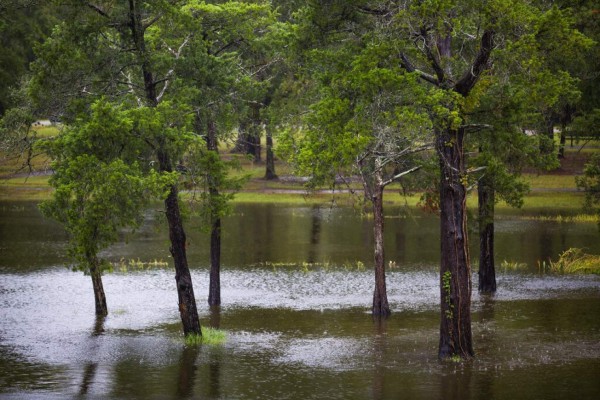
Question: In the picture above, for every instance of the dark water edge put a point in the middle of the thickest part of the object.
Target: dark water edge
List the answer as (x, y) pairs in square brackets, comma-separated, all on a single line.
[(294, 331)]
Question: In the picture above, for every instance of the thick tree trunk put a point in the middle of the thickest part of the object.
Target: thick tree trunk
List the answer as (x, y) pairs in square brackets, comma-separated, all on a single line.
[(99, 296), (185, 291), (487, 270), (455, 270), (380, 301), (214, 292), (270, 168)]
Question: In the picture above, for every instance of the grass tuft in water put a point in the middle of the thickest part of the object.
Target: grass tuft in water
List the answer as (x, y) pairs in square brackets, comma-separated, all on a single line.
[(209, 336), (574, 261), (512, 265), (137, 265)]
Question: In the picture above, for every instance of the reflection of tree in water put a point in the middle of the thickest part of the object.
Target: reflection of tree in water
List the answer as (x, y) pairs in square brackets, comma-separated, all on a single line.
[(187, 371), (89, 371), (315, 233), (485, 379), (456, 381), (188, 365), (379, 349)]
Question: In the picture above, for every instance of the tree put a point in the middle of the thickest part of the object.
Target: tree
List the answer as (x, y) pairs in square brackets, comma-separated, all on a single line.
[(112, 50), (590, 183), (100, 186), (452, 46), (367, 121), (219, 67)]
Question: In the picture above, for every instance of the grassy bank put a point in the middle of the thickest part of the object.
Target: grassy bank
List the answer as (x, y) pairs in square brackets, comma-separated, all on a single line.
[(554, 192)]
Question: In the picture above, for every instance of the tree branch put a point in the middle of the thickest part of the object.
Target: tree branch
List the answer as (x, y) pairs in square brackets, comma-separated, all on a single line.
[(408, 66), (400, 175), (480, 64), (98, 10)]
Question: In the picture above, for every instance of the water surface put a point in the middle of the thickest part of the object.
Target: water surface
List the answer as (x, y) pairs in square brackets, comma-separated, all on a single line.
[(296, 293)]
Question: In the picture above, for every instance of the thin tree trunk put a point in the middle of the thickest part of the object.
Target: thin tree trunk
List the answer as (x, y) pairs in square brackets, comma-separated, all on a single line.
[(487, 270), (254, 133), (380, 301), (183, 278), (455, 270), (214, 292), (563, 142), (99, 296), (185, 291), (270, 168)]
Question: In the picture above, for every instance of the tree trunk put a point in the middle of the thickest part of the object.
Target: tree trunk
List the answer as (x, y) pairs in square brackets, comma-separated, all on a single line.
[(185, 291), (455, 270), (380, 301), (253, 138), (214, 292), (183, 278), (270, 168), (487, 270), (99, 296)]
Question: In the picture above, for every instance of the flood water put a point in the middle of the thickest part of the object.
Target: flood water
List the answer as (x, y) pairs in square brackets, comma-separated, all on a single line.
[(296, 289)]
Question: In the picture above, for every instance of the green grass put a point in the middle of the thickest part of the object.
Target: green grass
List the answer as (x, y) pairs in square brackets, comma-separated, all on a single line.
[(46, 131), (574, 261), (550, 181), (512, 266), (210, 336)]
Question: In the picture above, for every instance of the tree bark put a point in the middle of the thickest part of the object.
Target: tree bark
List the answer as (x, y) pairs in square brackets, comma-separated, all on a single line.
[(214, 292), (380, 301), (455, 270), (270, 168), (487, 269), (99, 296), (185, 291)]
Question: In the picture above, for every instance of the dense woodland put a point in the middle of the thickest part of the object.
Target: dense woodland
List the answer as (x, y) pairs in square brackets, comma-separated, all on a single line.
[(442, 96)]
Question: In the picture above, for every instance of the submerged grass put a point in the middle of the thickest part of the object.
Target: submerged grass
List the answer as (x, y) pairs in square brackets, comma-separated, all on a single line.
[(124, 265), (210, 336), (512, 265)]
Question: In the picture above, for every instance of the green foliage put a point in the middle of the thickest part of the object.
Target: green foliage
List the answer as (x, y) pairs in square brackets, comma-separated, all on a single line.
[(369, 119), (586, 126), (102, 182), (590, 182), (210, 176)]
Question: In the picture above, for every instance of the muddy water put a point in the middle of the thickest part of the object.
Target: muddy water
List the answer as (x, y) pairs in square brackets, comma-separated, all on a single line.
[(296, 300)]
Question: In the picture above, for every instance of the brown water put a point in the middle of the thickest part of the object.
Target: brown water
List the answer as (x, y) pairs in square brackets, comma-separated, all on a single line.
[(295, 331)]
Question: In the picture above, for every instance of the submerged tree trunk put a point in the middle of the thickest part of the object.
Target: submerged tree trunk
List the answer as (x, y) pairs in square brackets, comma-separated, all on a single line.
[(455, 270), (99, 296), (487, 269), (185, 291), (214, 291), (270, 167), (380, 301)]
